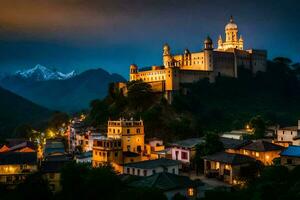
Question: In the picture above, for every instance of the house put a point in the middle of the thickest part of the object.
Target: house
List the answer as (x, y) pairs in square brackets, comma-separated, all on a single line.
[(15, 166), (237, 134), (85, 157), (185, 150), (290, 157), (54, 147), (226, 166), (231, 145), (155, 148), (150, 167), (23, 146), (288, 135), (171, 184), (261, 150)]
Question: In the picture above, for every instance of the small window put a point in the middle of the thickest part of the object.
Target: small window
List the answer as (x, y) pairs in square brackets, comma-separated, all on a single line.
[(289, 161), (184, 155), (128, 131)]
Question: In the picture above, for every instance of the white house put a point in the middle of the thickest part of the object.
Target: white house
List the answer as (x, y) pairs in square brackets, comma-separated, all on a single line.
[(289, 135), (150, 167), (185, 150)]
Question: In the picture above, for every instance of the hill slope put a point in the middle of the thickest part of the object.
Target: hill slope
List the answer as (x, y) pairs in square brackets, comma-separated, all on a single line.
[(16, 110), (68, 95), (226, 104)]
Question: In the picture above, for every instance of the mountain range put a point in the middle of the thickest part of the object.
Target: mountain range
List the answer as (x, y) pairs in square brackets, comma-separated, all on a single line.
[(54, 90), (16, 110), (42, 73)]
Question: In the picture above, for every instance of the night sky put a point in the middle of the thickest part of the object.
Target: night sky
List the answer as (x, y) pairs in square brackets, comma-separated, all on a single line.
[(83, 34)]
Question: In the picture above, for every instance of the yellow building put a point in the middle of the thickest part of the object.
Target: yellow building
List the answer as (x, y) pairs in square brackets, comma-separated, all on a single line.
[(107, 151), (260, 150), (209, 63), (15, 166), (131, 133), (123, 144)]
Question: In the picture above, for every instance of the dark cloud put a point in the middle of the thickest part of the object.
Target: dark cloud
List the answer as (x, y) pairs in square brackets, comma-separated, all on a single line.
[(114, 33)]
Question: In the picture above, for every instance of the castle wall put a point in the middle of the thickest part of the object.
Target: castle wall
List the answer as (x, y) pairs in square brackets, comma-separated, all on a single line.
[(224, 64)]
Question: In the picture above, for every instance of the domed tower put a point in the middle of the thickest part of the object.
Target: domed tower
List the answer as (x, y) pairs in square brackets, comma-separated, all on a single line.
[(167, 58), (133, 72), (232, 40), (231, 31), (208, 54)]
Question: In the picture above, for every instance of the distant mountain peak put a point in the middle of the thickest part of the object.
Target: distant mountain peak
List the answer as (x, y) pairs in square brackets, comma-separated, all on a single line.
[(42, 73)]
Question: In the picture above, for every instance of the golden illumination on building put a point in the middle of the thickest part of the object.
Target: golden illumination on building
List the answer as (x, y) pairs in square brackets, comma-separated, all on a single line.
[(191, 192), (210, 62)]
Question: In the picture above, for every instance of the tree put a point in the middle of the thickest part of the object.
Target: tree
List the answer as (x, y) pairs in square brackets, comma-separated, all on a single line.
[(139, 95), (23, 131), (259, 126), (212, 145)]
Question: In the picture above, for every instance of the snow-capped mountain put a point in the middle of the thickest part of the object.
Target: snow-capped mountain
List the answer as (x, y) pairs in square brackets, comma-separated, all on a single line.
[(41, 73)]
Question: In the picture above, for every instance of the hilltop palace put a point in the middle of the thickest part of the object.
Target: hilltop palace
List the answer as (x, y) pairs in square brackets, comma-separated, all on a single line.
[(208, 63)]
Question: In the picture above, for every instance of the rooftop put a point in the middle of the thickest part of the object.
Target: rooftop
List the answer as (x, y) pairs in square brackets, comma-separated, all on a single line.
[(289, 128), (150, 164), (230, 143), (165, 182), (188, 143), (262, 146), (292, 151), (230, 158), (18, 158)]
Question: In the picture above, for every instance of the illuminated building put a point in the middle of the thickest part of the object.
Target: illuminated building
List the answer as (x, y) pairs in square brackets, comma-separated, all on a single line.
[(226, 166), (210, 62), (290, 157), (131, 133), (261, 150), (288, 135), (15, 166), (150, 167), (155, 148), (124, 144), (185, 150)]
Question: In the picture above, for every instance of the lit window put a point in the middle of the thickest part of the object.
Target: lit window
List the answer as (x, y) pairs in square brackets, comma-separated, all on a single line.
[(257, 154), (217, 165), (191, 192)]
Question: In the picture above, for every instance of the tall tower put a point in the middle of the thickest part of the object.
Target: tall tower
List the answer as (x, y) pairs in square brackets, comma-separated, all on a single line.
[(167, 58), (208, 54), (133, 72), (232, 40)]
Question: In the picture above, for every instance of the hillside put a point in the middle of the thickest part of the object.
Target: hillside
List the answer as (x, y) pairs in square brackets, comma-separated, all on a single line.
[(226, 104), (69, 95), (16, 110)]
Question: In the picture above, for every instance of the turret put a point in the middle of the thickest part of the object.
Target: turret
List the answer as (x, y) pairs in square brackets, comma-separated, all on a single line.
[(220, 42), (208, 54), (133, 69), (167, 58), (208, 44), (133, 72)]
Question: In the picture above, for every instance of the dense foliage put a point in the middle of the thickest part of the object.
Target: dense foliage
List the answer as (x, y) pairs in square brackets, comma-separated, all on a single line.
[(228, 103), (275, 183)]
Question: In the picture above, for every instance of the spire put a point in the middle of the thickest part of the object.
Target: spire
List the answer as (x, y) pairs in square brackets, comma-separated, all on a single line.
[(231, 19), (220, 37)]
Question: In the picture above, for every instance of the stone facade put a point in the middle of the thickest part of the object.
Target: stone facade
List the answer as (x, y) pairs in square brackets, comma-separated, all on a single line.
[(208, 63)]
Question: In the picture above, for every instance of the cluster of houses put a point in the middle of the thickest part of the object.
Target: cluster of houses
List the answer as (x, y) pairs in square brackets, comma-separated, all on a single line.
[(125, 148)]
